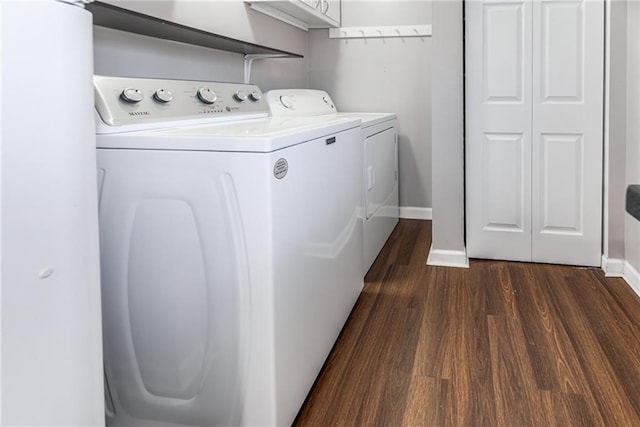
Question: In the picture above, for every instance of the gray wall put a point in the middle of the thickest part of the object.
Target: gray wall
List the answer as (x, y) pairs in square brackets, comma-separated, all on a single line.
[(622, 153), (616, 131), (632, 227), (124, 54), (392, 74), (448, 124)]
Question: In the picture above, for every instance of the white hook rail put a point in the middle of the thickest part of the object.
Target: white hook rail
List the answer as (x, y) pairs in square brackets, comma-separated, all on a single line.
[(380, 32)]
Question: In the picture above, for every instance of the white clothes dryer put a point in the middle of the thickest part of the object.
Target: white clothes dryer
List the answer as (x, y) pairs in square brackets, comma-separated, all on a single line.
[(380, 163), (230, 247)]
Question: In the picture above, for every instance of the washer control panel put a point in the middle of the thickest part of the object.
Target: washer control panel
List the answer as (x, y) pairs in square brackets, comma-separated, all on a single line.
[(126, 101)]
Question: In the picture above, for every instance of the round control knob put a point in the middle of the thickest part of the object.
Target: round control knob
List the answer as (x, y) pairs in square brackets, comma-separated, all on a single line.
[(286, 101), (131, 95), (255, 96), (207, 96), (163, 95), (325, 99), (241, 96)]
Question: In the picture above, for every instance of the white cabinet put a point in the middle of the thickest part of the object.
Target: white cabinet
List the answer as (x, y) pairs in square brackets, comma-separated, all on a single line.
[(303, 14), (331, 9)]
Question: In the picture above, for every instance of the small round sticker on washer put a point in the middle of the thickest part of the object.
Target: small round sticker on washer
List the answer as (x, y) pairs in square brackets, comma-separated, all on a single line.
[(280, 168)]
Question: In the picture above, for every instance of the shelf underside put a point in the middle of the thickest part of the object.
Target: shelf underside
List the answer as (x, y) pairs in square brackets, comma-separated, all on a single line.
[(117, 18)]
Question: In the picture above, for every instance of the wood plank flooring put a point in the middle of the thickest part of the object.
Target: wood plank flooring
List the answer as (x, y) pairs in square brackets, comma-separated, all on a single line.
[(498, 344)]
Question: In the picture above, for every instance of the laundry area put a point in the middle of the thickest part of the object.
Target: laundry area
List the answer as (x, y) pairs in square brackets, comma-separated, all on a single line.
[(248, 212)]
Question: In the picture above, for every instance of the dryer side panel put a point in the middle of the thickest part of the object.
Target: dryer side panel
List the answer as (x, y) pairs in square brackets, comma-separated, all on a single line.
[(380, 188), (381, 167)]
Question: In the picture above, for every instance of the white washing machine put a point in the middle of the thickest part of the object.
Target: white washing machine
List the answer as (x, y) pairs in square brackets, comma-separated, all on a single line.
[(380, 163), (230, 247)]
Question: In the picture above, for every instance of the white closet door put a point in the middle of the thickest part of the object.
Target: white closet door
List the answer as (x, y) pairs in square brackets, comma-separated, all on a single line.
[(498, 129), (567, 131), (534, 95)]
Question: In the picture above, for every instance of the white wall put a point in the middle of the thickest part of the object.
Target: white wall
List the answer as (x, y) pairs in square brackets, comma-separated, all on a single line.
[(382, 75), (123, 54), (51, 355)]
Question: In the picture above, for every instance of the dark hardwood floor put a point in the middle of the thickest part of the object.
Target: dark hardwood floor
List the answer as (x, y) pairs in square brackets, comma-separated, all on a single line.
[(498, 344)]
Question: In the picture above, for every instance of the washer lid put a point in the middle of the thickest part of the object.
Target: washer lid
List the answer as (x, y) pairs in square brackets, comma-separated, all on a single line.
[(262, 136)]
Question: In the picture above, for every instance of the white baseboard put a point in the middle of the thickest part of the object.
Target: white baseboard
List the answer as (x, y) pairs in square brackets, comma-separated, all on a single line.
[(632, 276), (409, 212), (612, 267), (447, 258), (620, 268)]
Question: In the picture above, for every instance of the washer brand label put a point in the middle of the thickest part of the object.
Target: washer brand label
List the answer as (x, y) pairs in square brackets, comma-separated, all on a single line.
[(139, 113), (280, 168)]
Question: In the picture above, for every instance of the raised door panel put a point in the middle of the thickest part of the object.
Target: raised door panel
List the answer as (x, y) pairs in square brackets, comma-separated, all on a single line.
[(567, 131), (498, 128), (562, 189), (503, 60), (562, 47), (502, 183)]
